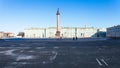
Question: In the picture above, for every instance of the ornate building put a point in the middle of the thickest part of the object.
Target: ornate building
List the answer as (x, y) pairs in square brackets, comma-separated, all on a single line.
[(66, 32), (113, 32), (6, 34), (57, 32)]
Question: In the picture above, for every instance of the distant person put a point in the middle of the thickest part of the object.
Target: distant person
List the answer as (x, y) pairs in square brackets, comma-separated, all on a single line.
[(76, 38), (60, 37), (73, 38)]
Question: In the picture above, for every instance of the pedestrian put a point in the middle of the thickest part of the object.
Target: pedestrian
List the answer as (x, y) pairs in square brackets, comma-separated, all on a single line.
[(73, 38), (76, 38)]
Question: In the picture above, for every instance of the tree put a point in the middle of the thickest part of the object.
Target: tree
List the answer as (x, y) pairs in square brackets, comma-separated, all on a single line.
[(22, 34)]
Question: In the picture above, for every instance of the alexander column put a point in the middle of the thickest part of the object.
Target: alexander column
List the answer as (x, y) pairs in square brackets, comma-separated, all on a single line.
[(58, 24)]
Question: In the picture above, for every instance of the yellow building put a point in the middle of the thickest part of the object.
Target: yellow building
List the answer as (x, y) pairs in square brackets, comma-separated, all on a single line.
[(6, 34)]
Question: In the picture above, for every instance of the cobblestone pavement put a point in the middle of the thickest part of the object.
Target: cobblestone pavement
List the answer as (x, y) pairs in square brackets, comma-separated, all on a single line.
[(60, 54)]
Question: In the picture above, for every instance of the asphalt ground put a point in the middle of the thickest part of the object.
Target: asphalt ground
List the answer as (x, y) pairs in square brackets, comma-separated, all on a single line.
[(60, 54)]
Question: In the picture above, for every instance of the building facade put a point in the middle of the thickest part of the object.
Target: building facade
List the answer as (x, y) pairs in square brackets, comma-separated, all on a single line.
[(58, 31), (66, 32), (113, 32), (2, 34), (6, 34)]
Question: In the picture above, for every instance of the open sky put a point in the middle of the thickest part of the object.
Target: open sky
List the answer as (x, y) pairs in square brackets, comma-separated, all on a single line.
[(15, 15)]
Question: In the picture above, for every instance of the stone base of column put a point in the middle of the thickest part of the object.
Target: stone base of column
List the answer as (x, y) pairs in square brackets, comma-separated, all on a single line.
[(57, 34)]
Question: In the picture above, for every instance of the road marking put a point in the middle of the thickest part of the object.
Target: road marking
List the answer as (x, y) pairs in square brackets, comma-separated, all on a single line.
[(104, 62), (99, 62), (54, 57)]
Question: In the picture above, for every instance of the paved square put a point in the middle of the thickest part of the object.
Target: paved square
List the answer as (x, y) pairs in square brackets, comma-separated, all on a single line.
[(60, 54)]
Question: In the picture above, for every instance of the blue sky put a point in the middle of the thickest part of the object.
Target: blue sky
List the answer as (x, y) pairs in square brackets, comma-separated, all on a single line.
[(15, 15)]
